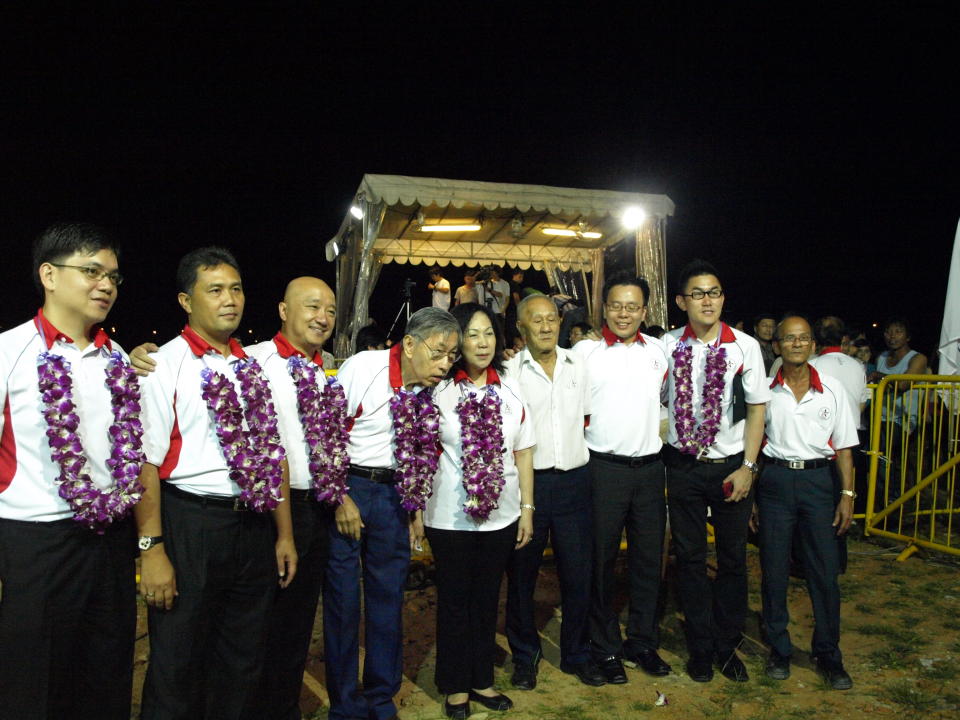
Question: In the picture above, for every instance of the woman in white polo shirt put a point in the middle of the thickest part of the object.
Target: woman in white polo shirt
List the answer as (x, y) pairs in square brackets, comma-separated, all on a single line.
[(480, 510)]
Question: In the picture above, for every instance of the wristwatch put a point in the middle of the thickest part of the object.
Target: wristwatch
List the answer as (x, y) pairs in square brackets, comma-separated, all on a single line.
[(145, 542), (754, 468), (852, 494)]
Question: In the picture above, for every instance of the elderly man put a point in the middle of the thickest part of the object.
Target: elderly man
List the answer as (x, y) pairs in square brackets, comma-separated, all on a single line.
[(809, 427), (717, 393), (626, 370), (554, 382), (393, 440)]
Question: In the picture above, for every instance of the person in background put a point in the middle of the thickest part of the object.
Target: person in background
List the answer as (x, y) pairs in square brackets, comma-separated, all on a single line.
[(441, 289), (579, 332), (371, 337), (764, 326), (467, 293)]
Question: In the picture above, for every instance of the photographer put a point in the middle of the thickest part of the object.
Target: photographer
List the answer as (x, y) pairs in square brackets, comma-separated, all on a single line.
[(494, 292), (441, 289)]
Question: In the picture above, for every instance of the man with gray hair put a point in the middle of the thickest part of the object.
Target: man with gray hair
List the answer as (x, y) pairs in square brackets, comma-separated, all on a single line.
[(394, 436)]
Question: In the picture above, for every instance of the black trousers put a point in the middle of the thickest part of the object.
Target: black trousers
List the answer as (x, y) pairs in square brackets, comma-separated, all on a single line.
[(68, 618), (206, 654), (633, 498), (563, 518), (714, 611), (294, 612), (470, 566)]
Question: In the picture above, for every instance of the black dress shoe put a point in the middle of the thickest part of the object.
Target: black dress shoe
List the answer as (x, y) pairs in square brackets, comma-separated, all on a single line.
[(587, 672), (732, 667), (700, 668), (613, 671), (834, 674), (460, 711), (648, 661), (778, 666), (499, 702), (524, 676)]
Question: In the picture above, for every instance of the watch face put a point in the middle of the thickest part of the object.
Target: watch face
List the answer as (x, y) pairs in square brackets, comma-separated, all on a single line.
[(145, 543)]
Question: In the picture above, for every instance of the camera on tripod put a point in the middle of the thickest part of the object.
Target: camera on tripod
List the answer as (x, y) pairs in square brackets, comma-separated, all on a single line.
[(408, 286)]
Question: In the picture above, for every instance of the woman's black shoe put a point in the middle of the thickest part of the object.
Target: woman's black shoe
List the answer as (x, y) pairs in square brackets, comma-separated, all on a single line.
[(457, 712), (498, 702)]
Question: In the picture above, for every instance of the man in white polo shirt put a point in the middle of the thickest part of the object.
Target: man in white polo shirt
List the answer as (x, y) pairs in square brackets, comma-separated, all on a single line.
[(67, 587), (626, 370), (809, 428), (373, 528), (554, 383), (215, 470), (717, 392)]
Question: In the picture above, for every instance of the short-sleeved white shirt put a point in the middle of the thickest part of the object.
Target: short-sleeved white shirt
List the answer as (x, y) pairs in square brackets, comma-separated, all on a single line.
[(743, 358), (180, 437), (441, 299), (444, 509), (558, 407), (625, 384), (851, 374), (273, 356), (369, 380), (28, 488), (814, 428), (498, 305)]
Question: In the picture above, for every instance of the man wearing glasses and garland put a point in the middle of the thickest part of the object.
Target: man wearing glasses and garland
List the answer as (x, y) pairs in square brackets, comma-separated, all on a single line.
[(717, 392)]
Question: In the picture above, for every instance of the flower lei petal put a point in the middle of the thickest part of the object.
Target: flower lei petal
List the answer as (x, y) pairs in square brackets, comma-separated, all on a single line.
[(94, 508), (323, 415), (254, 456), (416, 425), (481, 443), (696, 439)]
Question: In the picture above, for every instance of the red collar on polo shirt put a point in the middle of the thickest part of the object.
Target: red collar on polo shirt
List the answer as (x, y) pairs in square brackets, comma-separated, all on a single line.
[(831, 349), (50, 334), (286, 350), (492, 377), (612, 339), (396, 373), (726, 333), (814, 379), (201, 347)]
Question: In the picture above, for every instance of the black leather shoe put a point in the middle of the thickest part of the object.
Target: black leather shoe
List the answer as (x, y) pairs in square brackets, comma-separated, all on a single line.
[(700, 668), (834, 674), (524, 676), (498, 702), (732, 667), (587, 672), (613, 671), (778, 666), (648, 661), (457, 712)]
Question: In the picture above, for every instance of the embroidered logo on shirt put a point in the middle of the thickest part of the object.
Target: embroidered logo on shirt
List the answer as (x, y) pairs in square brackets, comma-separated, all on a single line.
[(824, 413)]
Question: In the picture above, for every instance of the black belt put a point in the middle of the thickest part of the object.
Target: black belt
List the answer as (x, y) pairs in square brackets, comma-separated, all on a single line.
[(298, 494), (230, 503), (701, 458), (553, 471), (384, 476), (633, 462), (799, 464)]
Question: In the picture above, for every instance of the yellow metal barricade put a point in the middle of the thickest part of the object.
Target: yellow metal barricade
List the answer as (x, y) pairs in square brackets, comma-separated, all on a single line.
[(914, 451)]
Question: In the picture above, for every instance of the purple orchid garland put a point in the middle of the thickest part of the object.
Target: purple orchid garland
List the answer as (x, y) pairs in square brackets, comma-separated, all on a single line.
[(694, 439), (323, 415), (481, 443), (416, 425), (255, 455), (93, 507)]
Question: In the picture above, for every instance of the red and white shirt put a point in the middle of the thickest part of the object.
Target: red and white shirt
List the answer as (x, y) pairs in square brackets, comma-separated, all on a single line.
[(179, 436), (813, 428), (273, 356), (745, 359), (625, 384), (369, 380), (558, 407), (28, 488), (851, 374), (444, 509)]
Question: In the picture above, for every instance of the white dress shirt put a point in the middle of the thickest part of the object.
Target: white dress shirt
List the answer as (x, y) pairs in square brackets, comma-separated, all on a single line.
[(851, 374)]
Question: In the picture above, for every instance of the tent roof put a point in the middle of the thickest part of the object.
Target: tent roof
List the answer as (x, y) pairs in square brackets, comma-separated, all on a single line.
[(512, 219)]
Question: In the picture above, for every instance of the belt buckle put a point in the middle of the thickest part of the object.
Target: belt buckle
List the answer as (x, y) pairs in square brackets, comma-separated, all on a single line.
[(796, 464)]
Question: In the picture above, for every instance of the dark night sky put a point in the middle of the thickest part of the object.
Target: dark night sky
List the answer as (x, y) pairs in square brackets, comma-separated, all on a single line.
[(812, 155)]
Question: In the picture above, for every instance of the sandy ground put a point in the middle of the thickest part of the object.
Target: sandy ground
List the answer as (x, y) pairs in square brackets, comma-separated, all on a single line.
[(900, 638)]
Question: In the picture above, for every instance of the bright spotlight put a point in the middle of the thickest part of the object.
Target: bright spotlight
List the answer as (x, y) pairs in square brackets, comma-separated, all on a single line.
[(356, 212), (633, 217)]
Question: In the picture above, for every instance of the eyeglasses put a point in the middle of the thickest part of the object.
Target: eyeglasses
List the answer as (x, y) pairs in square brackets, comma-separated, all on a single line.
[(95, 274), (791, 339), (699, 294), (629, 307), (452, 356)]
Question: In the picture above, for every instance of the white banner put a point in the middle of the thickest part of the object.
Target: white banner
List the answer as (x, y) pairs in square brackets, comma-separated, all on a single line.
[(949, 348)]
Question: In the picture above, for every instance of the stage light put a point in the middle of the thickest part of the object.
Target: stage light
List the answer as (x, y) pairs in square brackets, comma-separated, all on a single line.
[(356, 212), (564, 232), (633, 217), (449, 228), (331, 249)]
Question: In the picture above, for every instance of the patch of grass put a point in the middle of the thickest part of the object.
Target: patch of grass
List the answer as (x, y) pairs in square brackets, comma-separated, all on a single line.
[(864, 609), (799, 713), (642, 707), (900, 582), (942, 670), (904, 694), (901, 636), (564, 712), (951, 624), (892, 657), (910, 621), (954, 647)]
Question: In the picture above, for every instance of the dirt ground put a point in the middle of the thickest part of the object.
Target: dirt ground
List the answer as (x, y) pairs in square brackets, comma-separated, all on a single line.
[(900, 638)]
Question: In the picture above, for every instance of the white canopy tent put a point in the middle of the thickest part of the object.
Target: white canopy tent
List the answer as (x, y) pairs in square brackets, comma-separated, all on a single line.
[(395, 219)]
